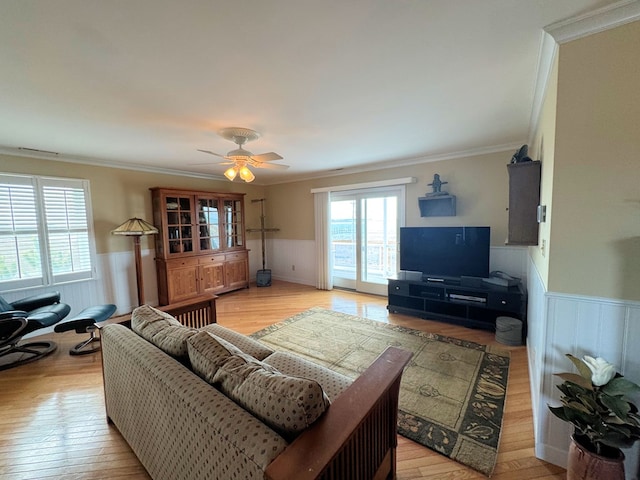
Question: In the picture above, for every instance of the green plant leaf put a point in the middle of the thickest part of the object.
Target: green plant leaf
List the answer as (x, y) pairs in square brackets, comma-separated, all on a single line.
[(617, 440), (560, 413), (618, 406), (577, 379), (620, 386), (589, 401), (579, 406), (579, 416), (582, 367)]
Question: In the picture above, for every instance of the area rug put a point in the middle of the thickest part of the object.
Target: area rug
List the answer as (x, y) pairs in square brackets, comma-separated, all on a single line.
[(452, 392)]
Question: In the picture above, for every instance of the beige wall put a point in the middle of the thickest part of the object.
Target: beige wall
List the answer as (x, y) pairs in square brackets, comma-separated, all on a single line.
[(480, 184), (595, 239), (543, 149), (118, 194)]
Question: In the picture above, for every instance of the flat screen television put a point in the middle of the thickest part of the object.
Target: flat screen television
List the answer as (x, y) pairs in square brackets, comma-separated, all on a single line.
[(442, 253)]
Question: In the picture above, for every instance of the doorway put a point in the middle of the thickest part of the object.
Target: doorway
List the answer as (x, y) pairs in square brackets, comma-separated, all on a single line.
[(364, 238)]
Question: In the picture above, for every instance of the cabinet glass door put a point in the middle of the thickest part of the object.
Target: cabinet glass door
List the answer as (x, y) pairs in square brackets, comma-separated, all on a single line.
[(208, 224), (233, 231), (179, 224)]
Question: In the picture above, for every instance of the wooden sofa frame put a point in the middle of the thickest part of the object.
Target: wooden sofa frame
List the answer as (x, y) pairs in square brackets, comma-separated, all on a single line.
[(356, 438)]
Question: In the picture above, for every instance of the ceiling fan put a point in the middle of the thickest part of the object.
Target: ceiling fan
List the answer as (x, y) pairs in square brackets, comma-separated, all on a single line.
[(242, 159)]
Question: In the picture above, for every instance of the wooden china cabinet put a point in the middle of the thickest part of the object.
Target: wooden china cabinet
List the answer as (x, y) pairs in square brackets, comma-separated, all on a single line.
[(201, 243)]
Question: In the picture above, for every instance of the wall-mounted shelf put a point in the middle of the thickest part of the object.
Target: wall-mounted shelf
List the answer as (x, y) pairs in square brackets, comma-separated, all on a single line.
[(437, 206)]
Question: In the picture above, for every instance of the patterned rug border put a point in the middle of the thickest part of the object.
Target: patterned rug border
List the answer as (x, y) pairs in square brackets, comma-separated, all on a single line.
[(479, 411)]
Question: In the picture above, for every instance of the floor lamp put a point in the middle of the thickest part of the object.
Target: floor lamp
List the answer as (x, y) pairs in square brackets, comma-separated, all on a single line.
[(136, 227)]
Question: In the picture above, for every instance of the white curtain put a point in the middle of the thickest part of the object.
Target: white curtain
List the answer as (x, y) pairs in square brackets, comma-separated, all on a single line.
[(322, 202)]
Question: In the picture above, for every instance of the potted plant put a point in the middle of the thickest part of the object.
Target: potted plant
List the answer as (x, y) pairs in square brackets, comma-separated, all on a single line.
[(595, 401)]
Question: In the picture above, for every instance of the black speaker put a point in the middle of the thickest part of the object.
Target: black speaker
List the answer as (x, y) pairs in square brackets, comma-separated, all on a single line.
[(263, 278)]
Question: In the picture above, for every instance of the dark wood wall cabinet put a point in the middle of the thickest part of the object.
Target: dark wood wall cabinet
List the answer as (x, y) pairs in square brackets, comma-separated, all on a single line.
[(524, 197), (201, 246)]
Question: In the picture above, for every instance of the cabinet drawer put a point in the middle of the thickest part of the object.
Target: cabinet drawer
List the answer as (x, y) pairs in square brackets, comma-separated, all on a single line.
[(211, 259), (504, 301), (230, 257), (398, 288), (182, 262)]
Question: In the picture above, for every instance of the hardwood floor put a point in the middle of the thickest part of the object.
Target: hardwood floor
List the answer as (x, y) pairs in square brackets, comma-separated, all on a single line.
[(52, 421)]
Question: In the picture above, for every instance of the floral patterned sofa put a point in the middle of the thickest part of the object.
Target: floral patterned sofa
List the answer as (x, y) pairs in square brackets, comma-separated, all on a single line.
[(209, 403)]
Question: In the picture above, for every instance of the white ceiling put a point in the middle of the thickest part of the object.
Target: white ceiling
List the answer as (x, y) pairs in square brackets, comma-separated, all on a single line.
[(330, 84)]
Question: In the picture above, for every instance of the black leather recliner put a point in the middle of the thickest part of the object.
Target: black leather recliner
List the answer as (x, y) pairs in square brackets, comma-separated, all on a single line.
[(24, 316)]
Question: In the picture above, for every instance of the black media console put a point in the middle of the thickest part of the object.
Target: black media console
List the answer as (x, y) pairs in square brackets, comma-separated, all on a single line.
[(476, 307)]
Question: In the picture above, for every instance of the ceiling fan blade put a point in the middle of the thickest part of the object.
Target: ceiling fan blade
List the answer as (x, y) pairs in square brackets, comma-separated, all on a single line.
[(213, 163), (212, 153), (272, 166), (266, 157)]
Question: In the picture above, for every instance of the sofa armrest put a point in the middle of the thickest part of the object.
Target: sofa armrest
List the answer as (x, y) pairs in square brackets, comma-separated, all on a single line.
[(357, 432)]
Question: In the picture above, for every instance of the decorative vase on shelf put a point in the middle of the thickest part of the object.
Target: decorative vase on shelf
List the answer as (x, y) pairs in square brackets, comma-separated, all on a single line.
[(585, 465)]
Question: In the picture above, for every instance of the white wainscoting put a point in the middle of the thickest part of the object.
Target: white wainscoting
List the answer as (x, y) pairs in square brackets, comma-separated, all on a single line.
[(255, 256), (536, 334), (289, 260), (114, 282), (560, 324), (115, 279), (293, 260)]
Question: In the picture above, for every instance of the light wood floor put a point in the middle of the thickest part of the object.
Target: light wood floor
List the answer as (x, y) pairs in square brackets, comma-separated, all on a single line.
[(52, 421)]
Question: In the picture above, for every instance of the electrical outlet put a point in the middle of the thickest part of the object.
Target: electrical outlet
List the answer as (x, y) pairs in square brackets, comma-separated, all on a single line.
[(543, 247), (293, 267)]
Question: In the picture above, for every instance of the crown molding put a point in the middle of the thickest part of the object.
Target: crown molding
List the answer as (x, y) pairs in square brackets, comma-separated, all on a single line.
[(599, 20), (389, 164), (383, 165), (357, 186), (57, 157), (546, 57)]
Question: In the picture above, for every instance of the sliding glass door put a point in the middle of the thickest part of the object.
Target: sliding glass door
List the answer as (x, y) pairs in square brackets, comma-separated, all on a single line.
[(364, 238)]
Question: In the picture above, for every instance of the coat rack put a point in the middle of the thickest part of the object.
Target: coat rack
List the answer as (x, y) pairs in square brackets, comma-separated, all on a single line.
[(263, 277)]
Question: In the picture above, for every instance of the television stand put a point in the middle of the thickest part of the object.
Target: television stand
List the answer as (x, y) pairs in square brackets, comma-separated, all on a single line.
[(476, 307)]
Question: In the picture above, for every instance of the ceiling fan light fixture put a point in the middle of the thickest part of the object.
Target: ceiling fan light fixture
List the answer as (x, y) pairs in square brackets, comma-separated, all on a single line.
[(246, 174), (240, 157), (231, 173)]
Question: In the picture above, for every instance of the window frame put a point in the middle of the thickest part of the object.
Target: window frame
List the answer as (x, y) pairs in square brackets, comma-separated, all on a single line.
[(47, 277)]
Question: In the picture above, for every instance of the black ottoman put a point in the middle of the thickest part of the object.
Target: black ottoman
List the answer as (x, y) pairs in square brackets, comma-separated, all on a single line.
[(85, 322)]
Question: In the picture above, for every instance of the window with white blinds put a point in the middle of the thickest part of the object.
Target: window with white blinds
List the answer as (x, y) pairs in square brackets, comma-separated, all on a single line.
[(45, 231)]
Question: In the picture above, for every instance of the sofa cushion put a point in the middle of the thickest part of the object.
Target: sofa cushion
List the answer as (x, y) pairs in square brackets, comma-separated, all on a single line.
[(333, 383), (161, 329), (246, 344), (287, 404), (208, 352)]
